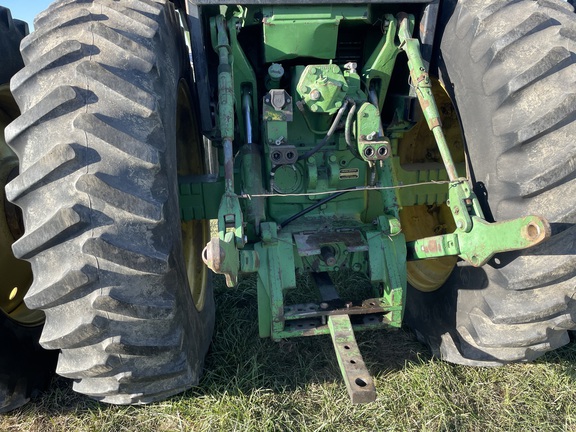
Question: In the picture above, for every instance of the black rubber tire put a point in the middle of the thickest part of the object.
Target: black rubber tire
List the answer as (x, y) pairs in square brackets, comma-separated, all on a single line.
[(511, 66), (12, 32), (98, 188), (25, 368)]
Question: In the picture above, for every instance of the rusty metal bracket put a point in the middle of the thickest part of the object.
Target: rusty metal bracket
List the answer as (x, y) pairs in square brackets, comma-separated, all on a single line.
[(475, 240), (359, 382), (329, 308), (222, 257), (484, 240)]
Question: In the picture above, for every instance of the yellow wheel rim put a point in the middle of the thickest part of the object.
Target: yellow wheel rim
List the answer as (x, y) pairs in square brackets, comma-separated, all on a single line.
[(195, 233), (426, 221), (418, 147), (16, 274)]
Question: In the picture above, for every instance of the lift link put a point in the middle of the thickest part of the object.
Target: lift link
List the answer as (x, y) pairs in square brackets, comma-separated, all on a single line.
[(221, 253), (474, 239)]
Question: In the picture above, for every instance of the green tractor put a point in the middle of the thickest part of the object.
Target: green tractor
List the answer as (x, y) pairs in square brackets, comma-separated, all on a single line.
[(426, 144)]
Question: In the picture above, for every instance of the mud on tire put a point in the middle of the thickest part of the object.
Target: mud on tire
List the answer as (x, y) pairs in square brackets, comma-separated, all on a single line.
[(97, 146), (510, 66)]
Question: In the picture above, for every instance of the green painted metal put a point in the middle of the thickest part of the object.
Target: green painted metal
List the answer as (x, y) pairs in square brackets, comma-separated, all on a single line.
[(372, 146), (322, 88), (244, 77), (221, 253), (230, 216), (277, 273), (280, 260), (463, 204), (474, 240), (197, 196), (486, 239), (359, 382), (292, 31), (308, 170), (225, 83), (330, 169), (387, 260), (478, 241), (251, 180), (377, 70)]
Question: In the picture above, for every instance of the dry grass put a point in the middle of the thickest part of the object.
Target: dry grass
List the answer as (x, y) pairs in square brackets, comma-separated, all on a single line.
[(260, 385)]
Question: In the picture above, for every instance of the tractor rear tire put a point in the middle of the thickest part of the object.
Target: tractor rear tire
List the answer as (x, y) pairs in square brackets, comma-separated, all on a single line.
[(97, 142), (510, 66), (25, 367)]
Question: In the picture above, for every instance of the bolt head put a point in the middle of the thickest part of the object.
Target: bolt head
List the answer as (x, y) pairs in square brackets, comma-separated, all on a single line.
[(371, 136), (315, 94)]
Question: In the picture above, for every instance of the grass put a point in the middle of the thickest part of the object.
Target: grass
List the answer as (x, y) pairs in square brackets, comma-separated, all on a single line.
[(258, 385)]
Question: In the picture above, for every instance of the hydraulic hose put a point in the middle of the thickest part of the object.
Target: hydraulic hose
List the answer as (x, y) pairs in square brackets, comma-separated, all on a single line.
[(328, 135), (348, 129)]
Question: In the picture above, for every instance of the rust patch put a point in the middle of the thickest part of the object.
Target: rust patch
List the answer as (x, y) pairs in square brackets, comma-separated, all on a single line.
[(432, 246), (435, 122)]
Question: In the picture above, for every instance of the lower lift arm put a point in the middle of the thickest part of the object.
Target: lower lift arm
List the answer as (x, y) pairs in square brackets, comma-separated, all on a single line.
[(474, 239)]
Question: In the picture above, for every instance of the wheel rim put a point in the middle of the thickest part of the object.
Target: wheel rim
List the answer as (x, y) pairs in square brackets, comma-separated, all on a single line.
[(420, 221), (426, 221), (16, 274), (195, 233)]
